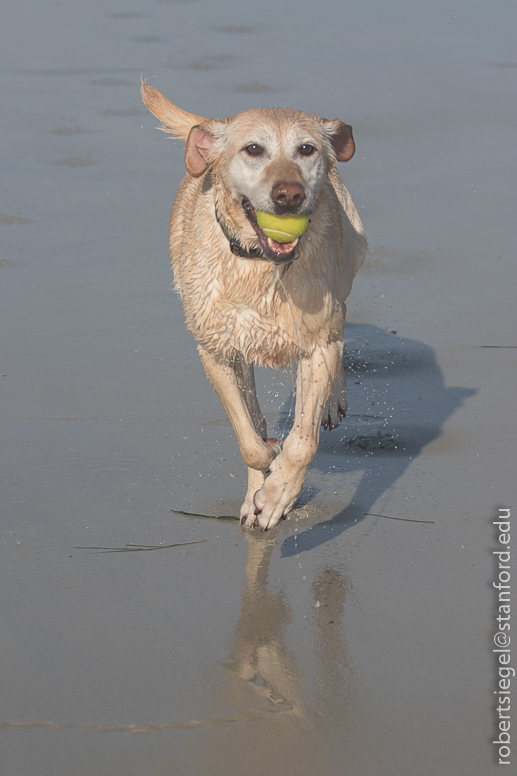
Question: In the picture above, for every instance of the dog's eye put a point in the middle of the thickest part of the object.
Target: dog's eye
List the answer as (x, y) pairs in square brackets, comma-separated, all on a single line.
[(254, 150), (306, 149)]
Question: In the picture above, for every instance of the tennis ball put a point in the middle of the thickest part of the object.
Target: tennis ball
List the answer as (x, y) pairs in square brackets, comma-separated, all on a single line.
[(282, 229)]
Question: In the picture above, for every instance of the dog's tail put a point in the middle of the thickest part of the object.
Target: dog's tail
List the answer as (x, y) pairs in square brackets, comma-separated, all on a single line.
[(176, 121)]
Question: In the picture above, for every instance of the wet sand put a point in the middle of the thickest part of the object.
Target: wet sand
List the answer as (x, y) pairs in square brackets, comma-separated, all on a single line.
[(356, 638)]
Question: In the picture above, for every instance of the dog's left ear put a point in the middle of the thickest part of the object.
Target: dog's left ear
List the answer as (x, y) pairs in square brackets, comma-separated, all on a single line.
[(341, 138)]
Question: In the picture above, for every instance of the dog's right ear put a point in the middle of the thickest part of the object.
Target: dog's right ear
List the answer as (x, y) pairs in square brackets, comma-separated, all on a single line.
[(199, 142)]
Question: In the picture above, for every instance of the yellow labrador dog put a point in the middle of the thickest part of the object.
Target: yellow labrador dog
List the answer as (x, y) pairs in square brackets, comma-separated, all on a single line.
[(249, 299)]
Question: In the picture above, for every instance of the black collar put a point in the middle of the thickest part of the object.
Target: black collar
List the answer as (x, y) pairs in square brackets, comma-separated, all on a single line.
[(235, 246)]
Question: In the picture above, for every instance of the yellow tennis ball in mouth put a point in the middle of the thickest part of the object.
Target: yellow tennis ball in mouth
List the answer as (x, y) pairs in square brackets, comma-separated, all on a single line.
[(282, 229)]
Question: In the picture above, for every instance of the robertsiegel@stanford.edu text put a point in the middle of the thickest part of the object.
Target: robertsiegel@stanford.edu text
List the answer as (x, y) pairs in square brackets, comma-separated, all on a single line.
[(505, 672)]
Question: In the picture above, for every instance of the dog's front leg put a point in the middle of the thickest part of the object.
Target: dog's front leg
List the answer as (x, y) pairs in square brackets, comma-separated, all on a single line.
[(235, 384), (316, 376), (245, 376)]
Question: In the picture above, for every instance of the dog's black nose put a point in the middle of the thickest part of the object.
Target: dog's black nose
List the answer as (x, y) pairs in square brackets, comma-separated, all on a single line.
[(288, 195)]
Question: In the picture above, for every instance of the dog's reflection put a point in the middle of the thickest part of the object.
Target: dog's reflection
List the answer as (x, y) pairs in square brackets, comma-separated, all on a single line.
[(258, 653), (290, 686)]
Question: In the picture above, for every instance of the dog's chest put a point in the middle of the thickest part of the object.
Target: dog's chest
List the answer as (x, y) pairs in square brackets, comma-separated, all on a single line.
[(265, 332), (258, 317)]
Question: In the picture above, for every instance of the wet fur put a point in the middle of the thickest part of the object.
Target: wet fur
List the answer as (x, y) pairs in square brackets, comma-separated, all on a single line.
[(244, 311)]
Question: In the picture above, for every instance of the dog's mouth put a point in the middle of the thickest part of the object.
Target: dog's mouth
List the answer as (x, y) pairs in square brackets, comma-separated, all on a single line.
[(274, 251)]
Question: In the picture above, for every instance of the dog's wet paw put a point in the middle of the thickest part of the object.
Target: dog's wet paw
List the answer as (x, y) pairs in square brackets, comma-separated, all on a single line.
[(247, 513), (334, 411), (337, 405), (333, 416), (255, 482), (276, 498)]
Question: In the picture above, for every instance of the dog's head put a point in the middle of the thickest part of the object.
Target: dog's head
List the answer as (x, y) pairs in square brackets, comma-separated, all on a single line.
[(274, 160)]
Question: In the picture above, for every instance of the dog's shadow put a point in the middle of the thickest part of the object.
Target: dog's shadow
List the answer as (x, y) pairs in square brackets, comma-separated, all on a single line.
[(398, 404)]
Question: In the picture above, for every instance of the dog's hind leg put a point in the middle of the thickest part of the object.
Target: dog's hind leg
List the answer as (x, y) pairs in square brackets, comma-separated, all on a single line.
[(337, 405), (245, 377)]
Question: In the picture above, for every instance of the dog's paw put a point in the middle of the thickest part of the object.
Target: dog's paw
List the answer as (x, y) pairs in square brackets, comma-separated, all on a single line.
[(255, 482), (247, 514), (337, 405), (278, 494), (333, 414)]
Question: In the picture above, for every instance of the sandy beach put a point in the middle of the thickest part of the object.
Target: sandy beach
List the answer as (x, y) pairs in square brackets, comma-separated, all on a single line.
[(358, 637)]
